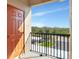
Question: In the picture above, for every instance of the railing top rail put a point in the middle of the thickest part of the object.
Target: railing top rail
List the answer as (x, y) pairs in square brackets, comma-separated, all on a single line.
[(51, 34)]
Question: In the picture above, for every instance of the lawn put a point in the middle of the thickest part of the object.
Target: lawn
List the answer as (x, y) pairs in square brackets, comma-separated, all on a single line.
[(47, 44)]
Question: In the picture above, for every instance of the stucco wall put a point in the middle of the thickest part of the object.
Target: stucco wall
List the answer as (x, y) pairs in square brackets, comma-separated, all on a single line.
[(27, 9), (28, 30)]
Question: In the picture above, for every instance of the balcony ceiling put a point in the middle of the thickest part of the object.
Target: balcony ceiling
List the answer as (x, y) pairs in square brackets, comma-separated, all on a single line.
[(33, 2), (36, 2)]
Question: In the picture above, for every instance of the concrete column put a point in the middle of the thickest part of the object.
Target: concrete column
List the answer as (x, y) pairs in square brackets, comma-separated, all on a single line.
[(70, 40)]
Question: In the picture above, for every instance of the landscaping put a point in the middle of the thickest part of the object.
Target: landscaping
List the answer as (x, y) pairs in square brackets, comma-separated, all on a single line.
[(47, 44)]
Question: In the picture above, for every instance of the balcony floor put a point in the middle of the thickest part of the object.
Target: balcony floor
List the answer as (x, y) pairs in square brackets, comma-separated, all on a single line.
[(34, 55)]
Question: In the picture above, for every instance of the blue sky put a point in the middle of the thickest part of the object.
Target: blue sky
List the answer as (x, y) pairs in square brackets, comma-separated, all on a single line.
[(51, 15)]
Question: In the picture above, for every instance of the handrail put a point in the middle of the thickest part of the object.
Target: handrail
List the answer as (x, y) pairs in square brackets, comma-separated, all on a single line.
[(53, 34)]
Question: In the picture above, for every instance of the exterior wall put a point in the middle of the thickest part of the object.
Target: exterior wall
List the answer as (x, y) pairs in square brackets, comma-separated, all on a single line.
[(27, 9), (28, 30)]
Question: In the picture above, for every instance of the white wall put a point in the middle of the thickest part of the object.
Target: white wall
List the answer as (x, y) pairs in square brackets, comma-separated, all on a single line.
[(28, 30)]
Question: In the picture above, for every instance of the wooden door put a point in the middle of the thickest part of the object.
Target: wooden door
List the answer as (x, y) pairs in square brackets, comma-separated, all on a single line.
[(15, 31)]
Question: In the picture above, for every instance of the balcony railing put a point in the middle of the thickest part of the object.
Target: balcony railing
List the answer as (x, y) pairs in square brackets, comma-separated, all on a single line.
[(56, 45)]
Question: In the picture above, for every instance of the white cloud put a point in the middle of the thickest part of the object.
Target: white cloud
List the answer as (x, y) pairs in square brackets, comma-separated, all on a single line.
[(50, 11), (38, 24)]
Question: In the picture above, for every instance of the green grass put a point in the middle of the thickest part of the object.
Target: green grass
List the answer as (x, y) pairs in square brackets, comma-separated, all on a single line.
[(47, 44)]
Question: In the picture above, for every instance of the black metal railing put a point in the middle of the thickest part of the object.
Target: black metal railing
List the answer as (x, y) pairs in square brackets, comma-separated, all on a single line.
[(56, 45)]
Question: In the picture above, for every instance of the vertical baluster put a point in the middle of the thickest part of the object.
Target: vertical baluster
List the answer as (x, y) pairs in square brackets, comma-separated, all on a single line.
[(37, 42), (67, 47), (50, 37), (34, 41), (60, 46), (48, 44), (50, 48), (39, 47), (64, 47), (43, 42), (57, 45), (54, 46), (31, 40)]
